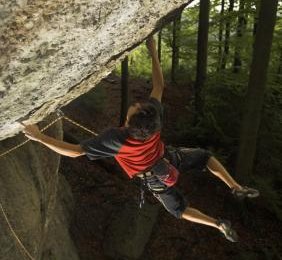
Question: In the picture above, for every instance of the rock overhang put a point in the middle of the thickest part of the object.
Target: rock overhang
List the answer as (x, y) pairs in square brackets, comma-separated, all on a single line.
[(52, 52)]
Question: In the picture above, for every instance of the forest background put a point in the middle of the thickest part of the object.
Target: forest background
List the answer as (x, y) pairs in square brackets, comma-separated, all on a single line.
[(216, 120), (225, 57)]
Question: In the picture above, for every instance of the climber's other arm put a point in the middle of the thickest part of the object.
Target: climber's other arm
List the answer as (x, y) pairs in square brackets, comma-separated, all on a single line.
[(61, 147), (157, 75)]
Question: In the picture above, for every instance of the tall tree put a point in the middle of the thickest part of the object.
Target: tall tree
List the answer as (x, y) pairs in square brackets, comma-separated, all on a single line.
[(227, 35), (220, 33), (241, 26), (256, 88), (202, 52), (124, 90), (256, 16), (175, 47), (279, 70)]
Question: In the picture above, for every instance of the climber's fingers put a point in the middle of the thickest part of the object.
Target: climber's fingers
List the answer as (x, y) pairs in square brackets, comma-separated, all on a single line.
[(31, 131)]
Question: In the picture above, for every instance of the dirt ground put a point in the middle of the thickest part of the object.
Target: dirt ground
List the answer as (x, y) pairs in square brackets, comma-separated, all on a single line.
[(100, 188)]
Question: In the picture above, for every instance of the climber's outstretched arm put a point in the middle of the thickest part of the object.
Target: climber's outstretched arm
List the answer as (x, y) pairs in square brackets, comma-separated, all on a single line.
[(157, 75), (61, 147)]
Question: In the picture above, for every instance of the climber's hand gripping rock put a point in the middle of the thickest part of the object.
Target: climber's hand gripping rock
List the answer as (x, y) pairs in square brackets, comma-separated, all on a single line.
[(32, 132)]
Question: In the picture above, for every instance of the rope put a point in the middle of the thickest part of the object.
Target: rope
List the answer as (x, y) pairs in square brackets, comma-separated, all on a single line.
[(60, 116), (79, 125), (15, 235), (26, 141)]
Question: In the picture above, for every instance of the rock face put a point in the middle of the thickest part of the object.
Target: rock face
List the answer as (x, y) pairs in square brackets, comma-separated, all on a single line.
[(130, 230), (49, 48), (36, 200)]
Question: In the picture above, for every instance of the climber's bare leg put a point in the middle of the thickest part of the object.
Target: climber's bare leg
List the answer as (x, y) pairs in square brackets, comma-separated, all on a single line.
[(218, 170), (223, 226), (197, 216)]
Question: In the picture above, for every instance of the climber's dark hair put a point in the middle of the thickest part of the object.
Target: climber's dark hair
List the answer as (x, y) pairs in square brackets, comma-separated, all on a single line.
[(145, 122)]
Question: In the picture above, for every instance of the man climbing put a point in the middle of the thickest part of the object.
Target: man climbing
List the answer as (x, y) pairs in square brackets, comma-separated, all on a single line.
[(138, 149)]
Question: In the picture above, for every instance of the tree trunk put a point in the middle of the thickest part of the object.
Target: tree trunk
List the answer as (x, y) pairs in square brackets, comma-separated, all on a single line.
[(242, 22), (202, 53), (256, 88), (175, 47), (279, 70), (160, 45), (257, 6), (124, 91), (220, 34), (227, 35)]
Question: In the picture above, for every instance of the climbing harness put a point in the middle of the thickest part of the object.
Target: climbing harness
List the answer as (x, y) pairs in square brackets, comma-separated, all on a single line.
[(61, 115), (143, 186)]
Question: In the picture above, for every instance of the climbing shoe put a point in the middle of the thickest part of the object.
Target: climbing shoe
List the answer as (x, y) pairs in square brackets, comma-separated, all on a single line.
[(245, 192), (227, 231)]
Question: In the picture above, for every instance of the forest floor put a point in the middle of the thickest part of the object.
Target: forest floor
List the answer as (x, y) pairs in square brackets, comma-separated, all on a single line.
[(99, 189)]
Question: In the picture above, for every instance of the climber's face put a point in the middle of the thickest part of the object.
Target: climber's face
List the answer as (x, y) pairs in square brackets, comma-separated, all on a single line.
[(131, 111)]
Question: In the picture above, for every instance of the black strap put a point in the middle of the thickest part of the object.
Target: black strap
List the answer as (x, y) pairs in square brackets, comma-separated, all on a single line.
[(143, 185)]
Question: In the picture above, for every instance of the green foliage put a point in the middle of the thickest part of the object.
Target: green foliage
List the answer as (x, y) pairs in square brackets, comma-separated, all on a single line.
[(139, 62), (223, 103), (270, 136), (269, 150)]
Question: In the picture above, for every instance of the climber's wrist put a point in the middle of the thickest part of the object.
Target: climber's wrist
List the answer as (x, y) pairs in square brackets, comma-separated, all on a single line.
[(40, 138)]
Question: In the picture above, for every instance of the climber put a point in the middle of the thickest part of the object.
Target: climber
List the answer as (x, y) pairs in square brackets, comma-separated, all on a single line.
[(138, 149)]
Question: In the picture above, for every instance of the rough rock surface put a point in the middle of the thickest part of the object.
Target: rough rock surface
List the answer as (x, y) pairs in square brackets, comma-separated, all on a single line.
[(47, 48), (130, 230), (36, 200)]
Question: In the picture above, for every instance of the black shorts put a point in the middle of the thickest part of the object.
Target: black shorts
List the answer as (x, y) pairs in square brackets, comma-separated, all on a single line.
[(184, 159)]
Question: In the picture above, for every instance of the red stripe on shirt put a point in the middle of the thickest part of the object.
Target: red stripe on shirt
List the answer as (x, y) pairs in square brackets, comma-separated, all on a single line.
[(136, 156)]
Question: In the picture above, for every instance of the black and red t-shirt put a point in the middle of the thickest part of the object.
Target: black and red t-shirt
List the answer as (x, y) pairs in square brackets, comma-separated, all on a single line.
[(134, 156)]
